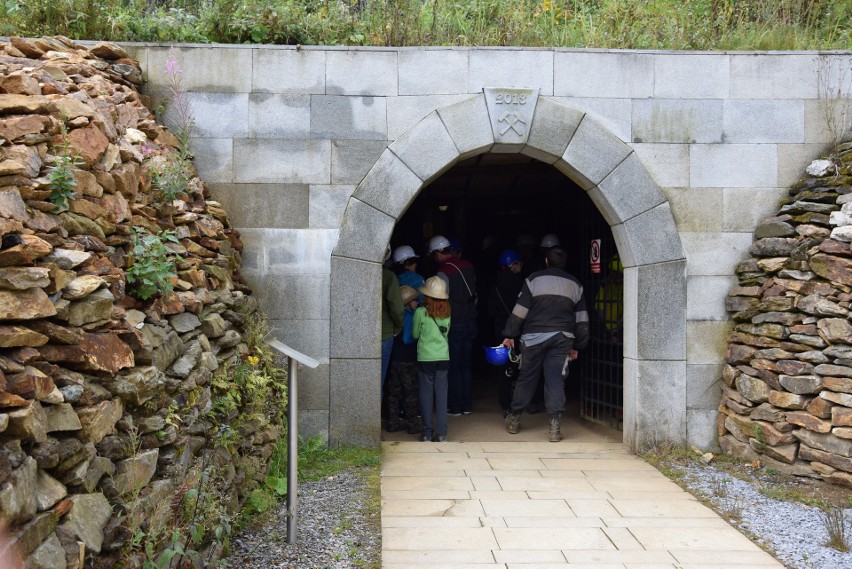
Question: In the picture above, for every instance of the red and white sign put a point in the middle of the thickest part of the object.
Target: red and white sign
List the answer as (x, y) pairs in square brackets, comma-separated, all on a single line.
[(595, 256)]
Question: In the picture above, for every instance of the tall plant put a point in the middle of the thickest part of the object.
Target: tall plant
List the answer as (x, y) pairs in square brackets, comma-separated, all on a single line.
[(179, 105)]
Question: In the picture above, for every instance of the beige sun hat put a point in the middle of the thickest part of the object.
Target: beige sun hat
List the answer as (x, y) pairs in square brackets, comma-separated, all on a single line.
[(436, 288), (407, 293)]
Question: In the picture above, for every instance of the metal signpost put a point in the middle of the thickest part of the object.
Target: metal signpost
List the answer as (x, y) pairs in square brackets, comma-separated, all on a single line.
[(294, 358)]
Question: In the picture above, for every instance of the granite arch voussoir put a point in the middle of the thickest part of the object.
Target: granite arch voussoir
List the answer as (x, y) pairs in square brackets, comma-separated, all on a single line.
[(427, 148), (592, 154), (468, 124), (389, 185)]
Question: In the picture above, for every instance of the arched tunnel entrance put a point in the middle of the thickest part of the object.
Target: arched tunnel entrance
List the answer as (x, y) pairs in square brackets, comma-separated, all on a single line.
[(587, 154), (496, 201)]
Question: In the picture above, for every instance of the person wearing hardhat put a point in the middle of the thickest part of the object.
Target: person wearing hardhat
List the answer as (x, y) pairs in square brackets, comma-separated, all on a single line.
[(551, 319), (505, 291), (460, 276), (405, 261), (432, 326), (547, 242)]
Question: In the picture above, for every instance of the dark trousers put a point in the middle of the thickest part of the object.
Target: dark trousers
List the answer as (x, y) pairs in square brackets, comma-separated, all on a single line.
[(506, 377), (551, 356), (461, 338), (403, 391), (432, 377)]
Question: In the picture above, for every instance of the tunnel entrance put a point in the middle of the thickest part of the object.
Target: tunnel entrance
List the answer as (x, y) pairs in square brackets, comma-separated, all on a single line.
[(585, 152), (492, 202)]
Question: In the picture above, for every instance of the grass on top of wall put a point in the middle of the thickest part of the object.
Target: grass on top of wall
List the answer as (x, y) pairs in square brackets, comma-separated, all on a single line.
[(627, 24)]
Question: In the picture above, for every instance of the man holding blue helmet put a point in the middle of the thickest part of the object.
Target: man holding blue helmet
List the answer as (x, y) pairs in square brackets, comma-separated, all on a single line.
[(551, 319)]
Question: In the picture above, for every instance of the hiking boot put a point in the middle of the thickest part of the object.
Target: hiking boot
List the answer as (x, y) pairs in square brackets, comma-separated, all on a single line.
[(555, 423), (513, 423), (393, 426)]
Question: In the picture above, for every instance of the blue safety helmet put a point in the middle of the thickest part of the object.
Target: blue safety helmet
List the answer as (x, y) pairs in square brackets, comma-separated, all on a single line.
[(508, 257)]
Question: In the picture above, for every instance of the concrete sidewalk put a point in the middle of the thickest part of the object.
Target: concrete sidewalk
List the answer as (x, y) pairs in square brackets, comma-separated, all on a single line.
[(515, 505)]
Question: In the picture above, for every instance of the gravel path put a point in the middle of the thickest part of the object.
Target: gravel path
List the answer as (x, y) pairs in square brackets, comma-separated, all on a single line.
[(333, 533), (793, 531)]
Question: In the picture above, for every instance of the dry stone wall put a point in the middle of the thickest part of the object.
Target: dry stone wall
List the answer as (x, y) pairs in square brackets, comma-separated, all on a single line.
[(787, 391), (105, 399)]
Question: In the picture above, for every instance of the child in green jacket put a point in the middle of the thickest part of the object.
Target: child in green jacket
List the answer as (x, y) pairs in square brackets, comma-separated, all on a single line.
[(431, 327)]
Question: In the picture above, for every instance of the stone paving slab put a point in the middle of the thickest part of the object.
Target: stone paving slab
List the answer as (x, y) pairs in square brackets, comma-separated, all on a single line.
[(539, 505)]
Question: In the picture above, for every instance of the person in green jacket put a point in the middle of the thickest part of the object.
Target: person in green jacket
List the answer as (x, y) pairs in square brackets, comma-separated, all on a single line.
[(392, 310), (431, 328)]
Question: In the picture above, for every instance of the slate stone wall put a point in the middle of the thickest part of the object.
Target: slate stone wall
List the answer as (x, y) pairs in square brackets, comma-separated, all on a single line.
[(104, 399), (787, 382)]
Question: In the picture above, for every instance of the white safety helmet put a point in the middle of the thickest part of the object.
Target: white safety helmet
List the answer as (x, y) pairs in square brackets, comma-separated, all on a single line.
[(550, 240), (438, 243), (403, 253)]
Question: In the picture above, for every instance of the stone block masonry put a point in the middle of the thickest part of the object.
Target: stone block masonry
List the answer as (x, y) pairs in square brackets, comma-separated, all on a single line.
[(708, 141)]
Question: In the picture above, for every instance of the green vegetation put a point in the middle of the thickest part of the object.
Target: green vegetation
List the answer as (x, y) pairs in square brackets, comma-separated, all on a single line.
[(61, 174), (151, 265), (249, 400), (631, 24), (62, 182), (171, 176), (316, 462)]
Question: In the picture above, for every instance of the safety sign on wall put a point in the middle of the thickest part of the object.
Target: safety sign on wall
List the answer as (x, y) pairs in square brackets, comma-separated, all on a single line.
[(595, 256)]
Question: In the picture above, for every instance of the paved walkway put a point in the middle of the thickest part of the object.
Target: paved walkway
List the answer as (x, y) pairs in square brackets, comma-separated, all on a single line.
[(524, 505)]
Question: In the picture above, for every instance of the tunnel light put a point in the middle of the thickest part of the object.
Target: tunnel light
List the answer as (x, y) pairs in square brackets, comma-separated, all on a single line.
[(443, 207)]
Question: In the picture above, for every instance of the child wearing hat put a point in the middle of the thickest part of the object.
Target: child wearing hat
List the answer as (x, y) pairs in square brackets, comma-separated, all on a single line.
[(431, 328), (402, 397)]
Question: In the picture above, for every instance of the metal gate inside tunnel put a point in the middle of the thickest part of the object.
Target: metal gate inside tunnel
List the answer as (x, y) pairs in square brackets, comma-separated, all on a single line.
[(494, 201)]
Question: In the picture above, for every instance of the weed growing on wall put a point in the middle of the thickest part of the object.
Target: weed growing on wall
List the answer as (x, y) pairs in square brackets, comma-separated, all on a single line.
[(151, 265), (61, 175), (834, 85), (171, 175), (62, 182), (178, 104)]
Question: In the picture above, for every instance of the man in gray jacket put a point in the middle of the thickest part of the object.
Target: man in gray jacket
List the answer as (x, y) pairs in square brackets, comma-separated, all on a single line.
[(551, 319)]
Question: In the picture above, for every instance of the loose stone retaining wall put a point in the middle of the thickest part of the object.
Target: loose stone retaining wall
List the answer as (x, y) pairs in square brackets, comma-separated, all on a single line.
[(787, 393), (104, 399)]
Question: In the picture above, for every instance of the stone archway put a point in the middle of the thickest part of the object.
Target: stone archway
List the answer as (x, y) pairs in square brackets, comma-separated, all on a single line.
[(591, 156)]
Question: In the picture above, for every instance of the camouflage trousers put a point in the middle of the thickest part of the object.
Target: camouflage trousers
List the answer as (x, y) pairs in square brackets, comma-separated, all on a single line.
[(402, 389)]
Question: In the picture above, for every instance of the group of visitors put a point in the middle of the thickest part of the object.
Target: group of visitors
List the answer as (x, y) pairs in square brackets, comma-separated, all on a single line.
[(429, 328)]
